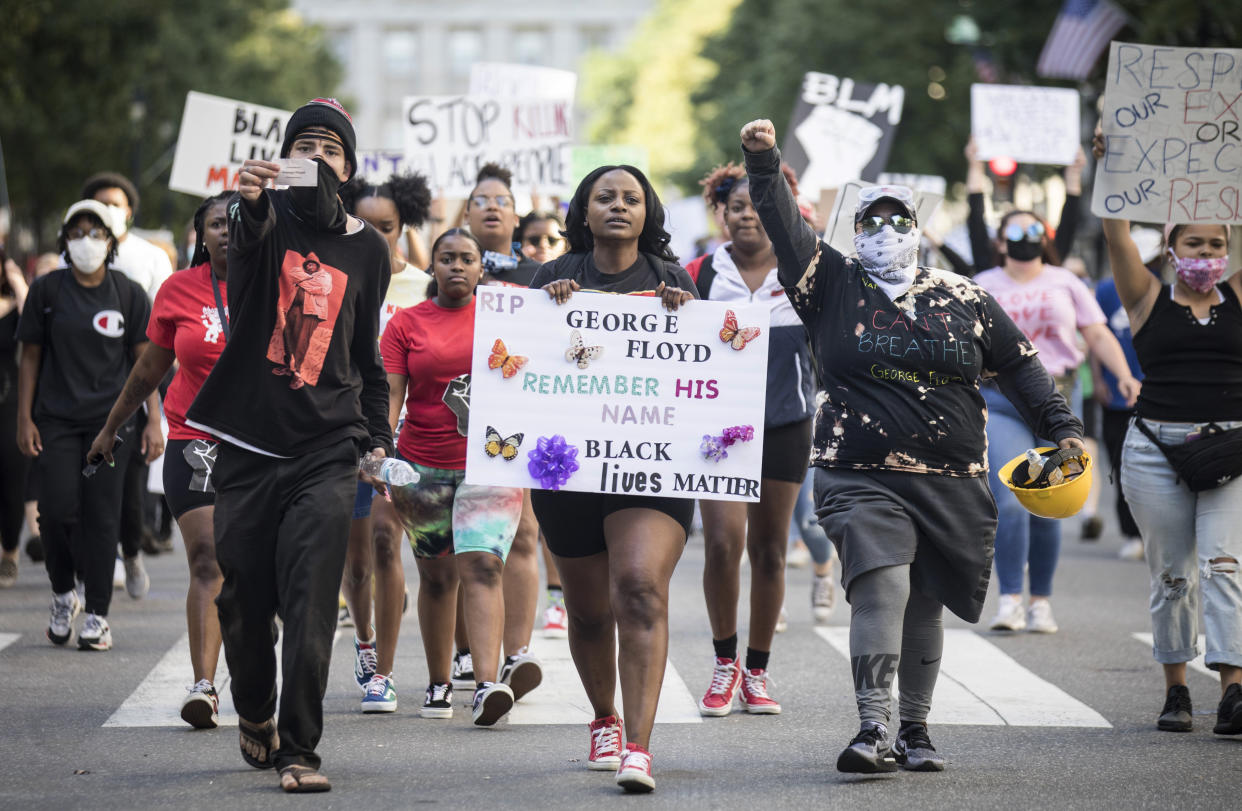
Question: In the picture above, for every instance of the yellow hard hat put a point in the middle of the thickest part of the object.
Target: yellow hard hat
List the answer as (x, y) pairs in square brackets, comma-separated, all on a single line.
[(1050, 500)]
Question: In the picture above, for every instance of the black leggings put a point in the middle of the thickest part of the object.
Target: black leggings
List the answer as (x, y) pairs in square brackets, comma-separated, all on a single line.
[(13, 467)]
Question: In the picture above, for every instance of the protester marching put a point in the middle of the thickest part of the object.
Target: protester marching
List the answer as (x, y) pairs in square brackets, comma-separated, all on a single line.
[(389, 389)]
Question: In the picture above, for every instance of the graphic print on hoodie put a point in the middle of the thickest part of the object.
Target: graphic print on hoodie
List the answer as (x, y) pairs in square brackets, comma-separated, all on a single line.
[(310, 300)]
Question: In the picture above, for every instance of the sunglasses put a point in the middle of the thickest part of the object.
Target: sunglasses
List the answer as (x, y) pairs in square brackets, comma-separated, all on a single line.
[(482, 200), (872, 225), (1032, 233), (535, 240)]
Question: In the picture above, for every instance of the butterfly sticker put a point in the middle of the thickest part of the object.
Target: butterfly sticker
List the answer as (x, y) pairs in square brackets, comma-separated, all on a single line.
[(580, 352), (734, 336), (506, 448), (502, 360)]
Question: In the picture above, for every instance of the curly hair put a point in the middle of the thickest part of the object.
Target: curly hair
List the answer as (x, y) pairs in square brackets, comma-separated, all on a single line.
[(409, 192), (721, 181), (111, 180), (493, 171), (200, 254), (62, 239), (653, 239)]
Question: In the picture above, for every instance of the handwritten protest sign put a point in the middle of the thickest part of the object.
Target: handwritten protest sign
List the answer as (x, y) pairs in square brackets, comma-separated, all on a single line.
[(1028, 124), (841, 130), (216, 136), (840, 231), (1173, 143), (614, 394), (449, 137)]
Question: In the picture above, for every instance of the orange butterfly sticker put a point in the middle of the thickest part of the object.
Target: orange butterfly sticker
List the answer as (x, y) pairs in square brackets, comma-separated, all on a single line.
[(735, 337), (502, 360)]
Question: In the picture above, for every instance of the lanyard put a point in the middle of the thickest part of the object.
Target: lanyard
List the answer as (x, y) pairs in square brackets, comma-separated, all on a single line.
[(224, 319)]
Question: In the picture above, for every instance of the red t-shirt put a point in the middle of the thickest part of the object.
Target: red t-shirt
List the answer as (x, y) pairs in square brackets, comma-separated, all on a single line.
[(184, 319), (695, 265), (430, 345)]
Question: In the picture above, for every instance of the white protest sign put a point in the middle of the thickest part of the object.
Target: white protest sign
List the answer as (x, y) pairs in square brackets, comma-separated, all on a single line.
[(448, 138), (1173, 145), (1028, 124), (216, 136), (840, 231), (929, 183), (631, 402), (518, 81)]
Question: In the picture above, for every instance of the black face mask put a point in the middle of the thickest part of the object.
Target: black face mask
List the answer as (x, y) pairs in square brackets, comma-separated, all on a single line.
[(1024, 251), (318, 206)]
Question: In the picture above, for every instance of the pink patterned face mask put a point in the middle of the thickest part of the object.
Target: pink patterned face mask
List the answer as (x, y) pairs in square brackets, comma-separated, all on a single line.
[(1199, 274)]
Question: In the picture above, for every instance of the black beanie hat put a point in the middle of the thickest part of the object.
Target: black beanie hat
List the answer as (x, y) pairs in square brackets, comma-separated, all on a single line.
[(327, 113)]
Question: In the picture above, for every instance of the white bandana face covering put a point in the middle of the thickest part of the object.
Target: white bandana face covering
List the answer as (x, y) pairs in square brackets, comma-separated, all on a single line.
[(888, 255)]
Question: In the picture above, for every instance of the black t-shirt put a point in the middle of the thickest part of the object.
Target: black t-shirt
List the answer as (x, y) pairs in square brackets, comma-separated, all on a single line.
[(87, 335), (519, 276), (640, 278), (303, 303)]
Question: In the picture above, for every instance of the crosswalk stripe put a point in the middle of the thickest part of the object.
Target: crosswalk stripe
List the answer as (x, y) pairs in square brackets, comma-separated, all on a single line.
[(8, 639), (982, 685), (560, 698), (1194, 664)]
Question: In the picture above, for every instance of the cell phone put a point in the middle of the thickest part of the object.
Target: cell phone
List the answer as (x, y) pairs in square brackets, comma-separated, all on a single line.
[(92, 467)]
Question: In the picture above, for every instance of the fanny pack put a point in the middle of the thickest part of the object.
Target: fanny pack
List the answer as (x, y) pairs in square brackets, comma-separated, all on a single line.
[(1212, 460)]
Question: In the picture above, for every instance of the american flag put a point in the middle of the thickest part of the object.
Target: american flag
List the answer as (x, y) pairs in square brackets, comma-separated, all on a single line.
[(1079, 35)]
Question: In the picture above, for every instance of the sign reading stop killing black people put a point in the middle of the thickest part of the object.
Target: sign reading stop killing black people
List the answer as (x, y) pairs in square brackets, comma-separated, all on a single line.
[(1173, 145), (841, 131)]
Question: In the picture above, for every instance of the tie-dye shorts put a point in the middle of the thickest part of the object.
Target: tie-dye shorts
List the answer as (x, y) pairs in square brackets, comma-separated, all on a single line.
[(443, 515)]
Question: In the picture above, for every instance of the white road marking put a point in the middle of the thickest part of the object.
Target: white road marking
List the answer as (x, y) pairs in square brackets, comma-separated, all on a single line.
[(1194, 664), (560, 699), (982, 685), (8, 639)]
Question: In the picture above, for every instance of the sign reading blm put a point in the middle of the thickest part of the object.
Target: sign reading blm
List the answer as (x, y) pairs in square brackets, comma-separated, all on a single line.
[(1173, 146), (841, 131), (615, 394)]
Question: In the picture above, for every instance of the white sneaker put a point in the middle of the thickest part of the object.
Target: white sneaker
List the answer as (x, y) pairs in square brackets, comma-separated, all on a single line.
[(1039, 618), (137, 583), (1131, 549), (823, 597), (95, 634), (1009, 614), (782, 622), (118, 575)]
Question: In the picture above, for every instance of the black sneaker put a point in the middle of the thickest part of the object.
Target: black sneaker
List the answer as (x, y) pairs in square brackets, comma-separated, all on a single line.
[(522, 672), (1175, 717), (492, 700), (868, 753), (1229, 713), (914, 751), (463, 670), (438, 703)]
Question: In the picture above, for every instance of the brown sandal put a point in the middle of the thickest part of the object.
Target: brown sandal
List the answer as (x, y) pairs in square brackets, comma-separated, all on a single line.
[(263, 736), (303, 780)]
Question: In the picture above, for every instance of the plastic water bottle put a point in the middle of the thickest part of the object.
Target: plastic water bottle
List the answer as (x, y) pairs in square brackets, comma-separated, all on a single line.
[(1035, 463), (393, 472)]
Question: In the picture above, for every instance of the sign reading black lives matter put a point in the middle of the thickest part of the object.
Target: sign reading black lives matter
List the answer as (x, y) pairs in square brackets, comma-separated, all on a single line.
[(841, 131), (1173, 144), (615, 394), (217, 135)]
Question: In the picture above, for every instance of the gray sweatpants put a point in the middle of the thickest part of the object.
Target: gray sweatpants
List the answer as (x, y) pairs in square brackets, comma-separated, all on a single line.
[(894, 630)]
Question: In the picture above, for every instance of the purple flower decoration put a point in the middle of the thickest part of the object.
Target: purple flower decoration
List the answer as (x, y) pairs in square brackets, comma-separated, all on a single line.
[(552, 461), (738, 433), (713, 448)]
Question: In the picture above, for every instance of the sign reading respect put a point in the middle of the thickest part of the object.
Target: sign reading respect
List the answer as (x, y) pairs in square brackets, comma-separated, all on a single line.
[(615, 394), (1172, 138)]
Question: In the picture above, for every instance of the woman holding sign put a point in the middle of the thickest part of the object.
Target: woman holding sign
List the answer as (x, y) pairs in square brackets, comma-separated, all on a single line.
[(616, 553), (898, 446), (1188, 338), (1052, 307), (459, 532), (743, 270)]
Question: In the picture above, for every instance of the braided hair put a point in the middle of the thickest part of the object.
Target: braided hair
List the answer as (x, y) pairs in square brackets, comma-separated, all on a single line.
[(200, 224), (408, 192)]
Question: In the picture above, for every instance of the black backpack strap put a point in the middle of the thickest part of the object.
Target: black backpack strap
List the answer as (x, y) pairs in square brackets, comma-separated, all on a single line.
[(706, 274)]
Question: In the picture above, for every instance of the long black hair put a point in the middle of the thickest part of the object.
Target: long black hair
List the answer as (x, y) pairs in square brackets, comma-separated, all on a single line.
[(409, 193), (464, 233), (200, 225), (653, 239)]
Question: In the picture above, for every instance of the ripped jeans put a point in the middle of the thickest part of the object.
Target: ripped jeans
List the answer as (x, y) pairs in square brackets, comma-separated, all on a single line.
[(1193, 543)]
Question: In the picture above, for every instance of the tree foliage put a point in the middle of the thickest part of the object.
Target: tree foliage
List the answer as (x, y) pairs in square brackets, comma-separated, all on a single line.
[(100, 86)]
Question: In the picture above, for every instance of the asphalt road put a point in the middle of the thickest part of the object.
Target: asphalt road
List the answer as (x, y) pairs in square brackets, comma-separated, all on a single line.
[(61, 745)]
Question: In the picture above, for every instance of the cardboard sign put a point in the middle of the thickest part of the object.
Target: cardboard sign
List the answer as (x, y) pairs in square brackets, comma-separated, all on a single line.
[(1028, 124), (840, 231), (217, 135), (448, 138), (629, 386), (840, 131), (1172, 135)]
